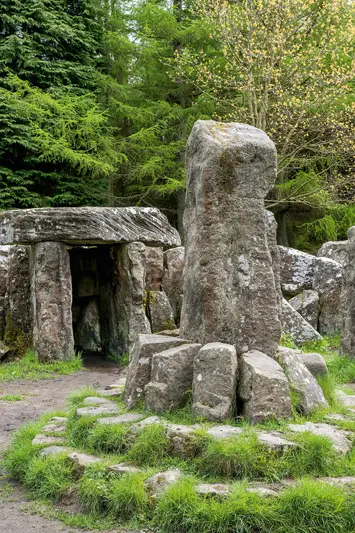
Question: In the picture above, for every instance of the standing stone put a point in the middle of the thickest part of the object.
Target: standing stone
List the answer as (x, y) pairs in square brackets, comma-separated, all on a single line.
[(302, 383), (88, 330), (307, 305), (139, 371), (160, 312), (297, 269), (122, 297), (296, 326), (51, 297), (154, 268), (328, 281), (335, 250), (312, 360), (263, 388), (215, 382), (172, 284), (229, 287), (18, 319), (347, 345), (171, 378), (271, 228)]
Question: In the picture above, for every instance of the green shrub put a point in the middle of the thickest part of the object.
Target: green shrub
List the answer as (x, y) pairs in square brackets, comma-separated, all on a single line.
[(151, 446), (20, 453), (239, 457), (105, 438), (127, 497), (49, 477)]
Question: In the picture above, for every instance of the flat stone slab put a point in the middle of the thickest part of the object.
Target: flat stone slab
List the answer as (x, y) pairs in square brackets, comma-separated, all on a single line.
[(214, 489), (55, 450), (126, 418), (162, 480), (119, 384), (82, 460), (224, 432), (87, 225), (45, 439), (179, 430), (337, 436), (111, 393), (146, 422), (348, 401), (275, 441), (54, 428), (95, 400), (263, 491), (98, 411), (124, 468), (339, 418)]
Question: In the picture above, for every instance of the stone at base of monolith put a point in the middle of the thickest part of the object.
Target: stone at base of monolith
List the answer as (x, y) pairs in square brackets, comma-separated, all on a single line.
[(139, 371), (171, 378), (263, 388), (229, 286), (51, 296), (215, 382)]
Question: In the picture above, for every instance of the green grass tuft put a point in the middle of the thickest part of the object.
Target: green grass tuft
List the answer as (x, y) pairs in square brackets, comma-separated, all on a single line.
[(18, 456), (105, 438), (151, 446), (127, 497), (11, 398), (49, 477), (79, 430), (93, 489)]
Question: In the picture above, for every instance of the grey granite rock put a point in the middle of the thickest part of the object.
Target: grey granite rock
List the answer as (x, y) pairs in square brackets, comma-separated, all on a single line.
[(335, 250), (172, 284), (308, 306), (296, 326), (328, 282), (297, 270)]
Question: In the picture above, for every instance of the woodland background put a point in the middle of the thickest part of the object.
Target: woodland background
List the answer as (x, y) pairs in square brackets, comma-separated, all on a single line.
[(98, 97)]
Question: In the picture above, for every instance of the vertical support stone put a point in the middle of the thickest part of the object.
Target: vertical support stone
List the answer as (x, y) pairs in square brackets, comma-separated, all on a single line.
[(122, 297), (229, 287), (18, 316), (347, 345), (51, 298)]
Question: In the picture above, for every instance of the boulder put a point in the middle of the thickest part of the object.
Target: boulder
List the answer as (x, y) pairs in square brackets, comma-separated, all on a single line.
[(263, 388), (302, 383), (18, 317), (172, 284), (313, 361), (328, 281), (296, 326), (159, 311), (51, 296), (4, 267), (139, 371), (307, 305), (154, 269), (335, 250), (347, 345), (229, 287), (87, 225), (215, 382), (88, 330), (171, 378), (162, 480), (297, 269), (340, 438)]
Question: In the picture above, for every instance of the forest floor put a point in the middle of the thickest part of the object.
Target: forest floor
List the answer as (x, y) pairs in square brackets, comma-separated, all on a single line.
[(38, 397)]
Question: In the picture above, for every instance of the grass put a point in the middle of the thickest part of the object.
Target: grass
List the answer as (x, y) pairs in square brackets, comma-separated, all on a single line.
[(151, 446), (49, 477), (29, 367), (127, 496), (11, 398)]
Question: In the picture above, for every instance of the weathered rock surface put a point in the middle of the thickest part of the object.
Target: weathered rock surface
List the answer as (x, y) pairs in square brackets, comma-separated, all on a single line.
[(297, 269), (214, 490), (96, 400), (88, 330), (308, 306), (82, 461), (102, 410), (171, 378), (54, 450), (335, 250), (229, 287), (41, 440), (347, 345), (263, 387), (271, 229), (341, 439), (302, 382), (154, 269), (224, 432), (124, 468), (162, 480), (18, 319), (51, 298), (296, 326), (215, 381), (313, 361), (139, 371), (126, 418), (87, 225), (159, 311), (328, 281), (181, 438), (173, 277)]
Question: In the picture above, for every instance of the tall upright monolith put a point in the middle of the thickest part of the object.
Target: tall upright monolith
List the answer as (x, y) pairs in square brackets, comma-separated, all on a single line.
[(230, 294)]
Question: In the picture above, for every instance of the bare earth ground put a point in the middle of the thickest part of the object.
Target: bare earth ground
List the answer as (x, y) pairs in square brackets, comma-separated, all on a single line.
[(39, 397)]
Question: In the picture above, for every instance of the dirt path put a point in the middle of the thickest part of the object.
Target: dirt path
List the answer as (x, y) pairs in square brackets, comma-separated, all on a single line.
[(39, 397)]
